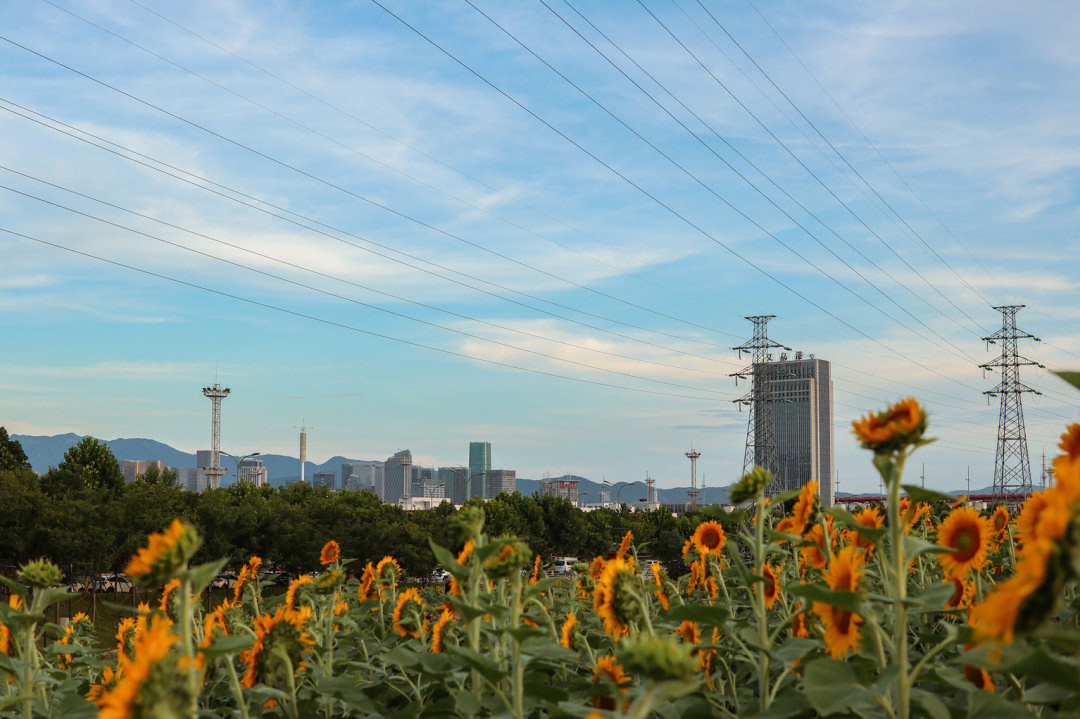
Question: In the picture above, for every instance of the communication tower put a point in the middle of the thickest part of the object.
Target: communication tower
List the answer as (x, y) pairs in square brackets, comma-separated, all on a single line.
[(650, 490), (1012, 464), (214, 472), (760, 441), (303, 448), (693, 455)]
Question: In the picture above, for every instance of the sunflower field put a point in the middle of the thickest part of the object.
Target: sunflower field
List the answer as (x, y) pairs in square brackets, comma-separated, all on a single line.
[(894, 611)]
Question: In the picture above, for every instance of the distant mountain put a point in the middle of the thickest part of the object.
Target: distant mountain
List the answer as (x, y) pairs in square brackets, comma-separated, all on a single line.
[(45, 452)]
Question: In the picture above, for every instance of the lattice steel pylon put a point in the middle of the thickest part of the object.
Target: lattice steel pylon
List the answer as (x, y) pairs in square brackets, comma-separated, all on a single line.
[(760, 440), (1012, 464), (214, 472)]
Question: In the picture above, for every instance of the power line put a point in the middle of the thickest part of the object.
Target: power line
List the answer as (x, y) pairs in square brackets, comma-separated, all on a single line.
[(655, 199), (196, 182), (338, 279), (362, 198), (381, 163), (341, 325), (737, 172)]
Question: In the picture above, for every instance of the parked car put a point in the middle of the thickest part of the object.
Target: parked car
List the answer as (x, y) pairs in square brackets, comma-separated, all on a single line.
[(440, 575), (225, 580), (562, 565)]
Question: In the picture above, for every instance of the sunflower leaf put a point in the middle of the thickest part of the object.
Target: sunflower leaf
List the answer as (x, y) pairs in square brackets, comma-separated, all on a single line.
[(921, 494), (914, 546), (849, 601), (1072, 378)]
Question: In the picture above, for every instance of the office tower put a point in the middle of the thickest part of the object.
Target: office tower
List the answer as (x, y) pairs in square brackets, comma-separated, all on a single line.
[(190, 479), (397, 476), (800, 396), (133, 469), (455, 483), (254, 471), (501, 480), (422, 481), (325, 479), (479, 465), (369, 476), (560, 487)]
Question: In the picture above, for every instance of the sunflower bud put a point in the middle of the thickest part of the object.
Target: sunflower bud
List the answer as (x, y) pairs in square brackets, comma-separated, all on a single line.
[(328, 581), (511, 557), (747, 488), (659, 658), (40, 573), (898, 427), (467, 524)]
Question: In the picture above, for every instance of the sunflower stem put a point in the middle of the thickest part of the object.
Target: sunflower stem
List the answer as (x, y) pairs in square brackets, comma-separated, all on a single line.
[(519, 669), (186, 622), (759, 602), (900, 638)]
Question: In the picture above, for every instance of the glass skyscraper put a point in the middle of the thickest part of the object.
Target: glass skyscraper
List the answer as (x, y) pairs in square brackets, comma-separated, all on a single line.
[(479, 466)]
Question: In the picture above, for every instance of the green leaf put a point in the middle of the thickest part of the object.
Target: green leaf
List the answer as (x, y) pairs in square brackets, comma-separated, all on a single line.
[(228, 645), (436, 663), (933, 597), (921, 494), (930, 703), (795, 648), (713, 616), (447, 560), (400, 656), (483, 664), (1048, 666), (1072, 378), (831, 686), (544, 648), (849, 601), (466, 703), (914, 546), (73, 706), (988, 705), (202, 575)]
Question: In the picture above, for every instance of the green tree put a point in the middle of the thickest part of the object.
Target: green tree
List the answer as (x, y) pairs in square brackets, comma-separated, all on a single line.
[(153, 475), (12, 456), (95, 463)]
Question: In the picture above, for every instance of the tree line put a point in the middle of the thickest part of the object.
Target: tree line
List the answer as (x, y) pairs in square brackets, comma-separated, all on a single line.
[(83, 516)]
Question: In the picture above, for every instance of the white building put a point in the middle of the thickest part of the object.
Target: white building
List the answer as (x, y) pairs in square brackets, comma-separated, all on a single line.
[(252, 470)]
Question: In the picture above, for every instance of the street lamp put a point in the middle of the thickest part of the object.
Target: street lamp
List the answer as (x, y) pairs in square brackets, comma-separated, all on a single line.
[(618, 489), (240, 461)]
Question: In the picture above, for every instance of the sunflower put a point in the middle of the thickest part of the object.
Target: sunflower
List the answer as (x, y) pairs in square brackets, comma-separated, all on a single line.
[(566, 635), (285, 630), (871, 518), (963, 593), (294, 587), (163, 554), (841, 625), (689, 632), (800, 623), (1028, 518), (787, 525), (804, 513), (608, 669), (387, 571), (462, 557), (658, 580), (897, 427), (615, 600), (106, 682), (625, 544), (999, 522), (439, 627), (596, 567), (241, 579), (149, 679), (536, 571), (997, 616), (166, 593), (815, 553), (709, 538), (402, 612), (979, 677), (968, 533), (330, 553), (5, 639), (126, 632), (772, 587)]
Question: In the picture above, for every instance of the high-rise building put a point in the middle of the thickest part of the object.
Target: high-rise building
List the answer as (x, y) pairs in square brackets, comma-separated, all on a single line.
[(254, 471), (499, 481), (133, 469), (422, 482), (479, 466), (325, 479), (455, 482), (191, 479), (397, 476), (800, 394), (560, 487), (369, 476)]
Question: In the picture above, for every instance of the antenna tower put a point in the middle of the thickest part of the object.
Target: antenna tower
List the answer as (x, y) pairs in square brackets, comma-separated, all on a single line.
[(1012, 465), (303, 447), (215, 471), (650, 490), (760, 440), (693, 455)]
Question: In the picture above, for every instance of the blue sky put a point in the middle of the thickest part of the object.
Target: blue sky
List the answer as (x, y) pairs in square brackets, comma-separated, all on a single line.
[(516, 246)]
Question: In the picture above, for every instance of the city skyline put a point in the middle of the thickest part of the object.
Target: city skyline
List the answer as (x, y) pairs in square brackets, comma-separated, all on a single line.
[(556, 266)]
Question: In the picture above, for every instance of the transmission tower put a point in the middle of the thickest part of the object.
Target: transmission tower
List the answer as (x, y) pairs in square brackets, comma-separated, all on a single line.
[(693, 455), (760, 440), (215, 471), (1012, 465)]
